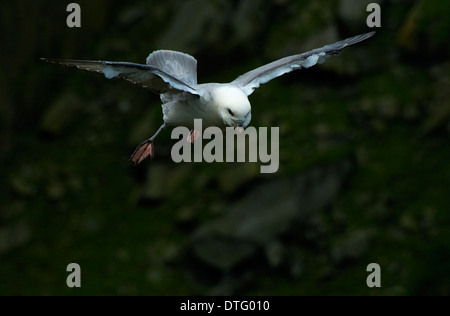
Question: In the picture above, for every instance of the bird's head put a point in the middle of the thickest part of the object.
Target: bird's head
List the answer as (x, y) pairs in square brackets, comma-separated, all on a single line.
[(233, 106)]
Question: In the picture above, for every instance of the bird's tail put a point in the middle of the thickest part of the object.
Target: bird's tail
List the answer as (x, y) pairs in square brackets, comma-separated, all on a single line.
[(180, 65)]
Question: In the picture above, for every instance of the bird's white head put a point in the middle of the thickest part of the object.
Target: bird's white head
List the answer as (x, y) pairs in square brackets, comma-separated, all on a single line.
[(233, 106)]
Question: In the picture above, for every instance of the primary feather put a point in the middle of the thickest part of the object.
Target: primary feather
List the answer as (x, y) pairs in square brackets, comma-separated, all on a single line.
[(254, 78)]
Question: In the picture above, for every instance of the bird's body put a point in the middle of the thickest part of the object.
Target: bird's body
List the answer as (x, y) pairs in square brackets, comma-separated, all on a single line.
[(174, 76), (181, 109)]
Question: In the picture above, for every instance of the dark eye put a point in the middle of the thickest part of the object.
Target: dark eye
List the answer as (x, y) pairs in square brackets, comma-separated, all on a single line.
[(231, 112)]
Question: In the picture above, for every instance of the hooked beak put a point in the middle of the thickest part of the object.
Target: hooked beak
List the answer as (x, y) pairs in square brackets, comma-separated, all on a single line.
[(238, 126)]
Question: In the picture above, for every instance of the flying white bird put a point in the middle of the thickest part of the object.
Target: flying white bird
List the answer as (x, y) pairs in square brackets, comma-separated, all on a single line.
[(173, 75)]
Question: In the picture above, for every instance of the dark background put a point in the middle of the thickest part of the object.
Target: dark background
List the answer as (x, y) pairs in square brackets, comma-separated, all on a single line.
[(364, 153)]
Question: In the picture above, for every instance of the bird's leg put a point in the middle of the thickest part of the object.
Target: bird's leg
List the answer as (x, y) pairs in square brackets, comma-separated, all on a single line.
[(193, 136), (146, 148)]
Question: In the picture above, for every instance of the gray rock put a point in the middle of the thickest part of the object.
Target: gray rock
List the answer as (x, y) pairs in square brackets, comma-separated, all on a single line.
[(266, 212), (189, 23), (246, 20)]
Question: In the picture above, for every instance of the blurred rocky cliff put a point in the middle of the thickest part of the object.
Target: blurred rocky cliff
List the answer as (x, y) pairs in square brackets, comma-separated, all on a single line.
[(364, 153)]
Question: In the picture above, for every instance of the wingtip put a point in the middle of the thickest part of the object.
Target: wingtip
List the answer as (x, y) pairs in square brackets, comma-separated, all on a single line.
[(366, 35), (370, 34), (357, 38), (50, 60)]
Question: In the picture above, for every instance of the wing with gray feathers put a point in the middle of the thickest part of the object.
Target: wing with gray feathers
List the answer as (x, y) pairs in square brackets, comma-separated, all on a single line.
[(251, 80), (177, 64), (147, 76)]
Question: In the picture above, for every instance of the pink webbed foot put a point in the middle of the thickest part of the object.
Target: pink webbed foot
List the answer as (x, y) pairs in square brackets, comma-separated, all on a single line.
[(145, 149)]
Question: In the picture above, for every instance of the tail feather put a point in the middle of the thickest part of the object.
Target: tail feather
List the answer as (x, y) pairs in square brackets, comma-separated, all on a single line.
[(179, 65)]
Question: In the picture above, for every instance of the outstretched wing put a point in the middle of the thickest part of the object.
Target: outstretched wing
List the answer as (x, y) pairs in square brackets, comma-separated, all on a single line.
[(147, 76), (251, 80)]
